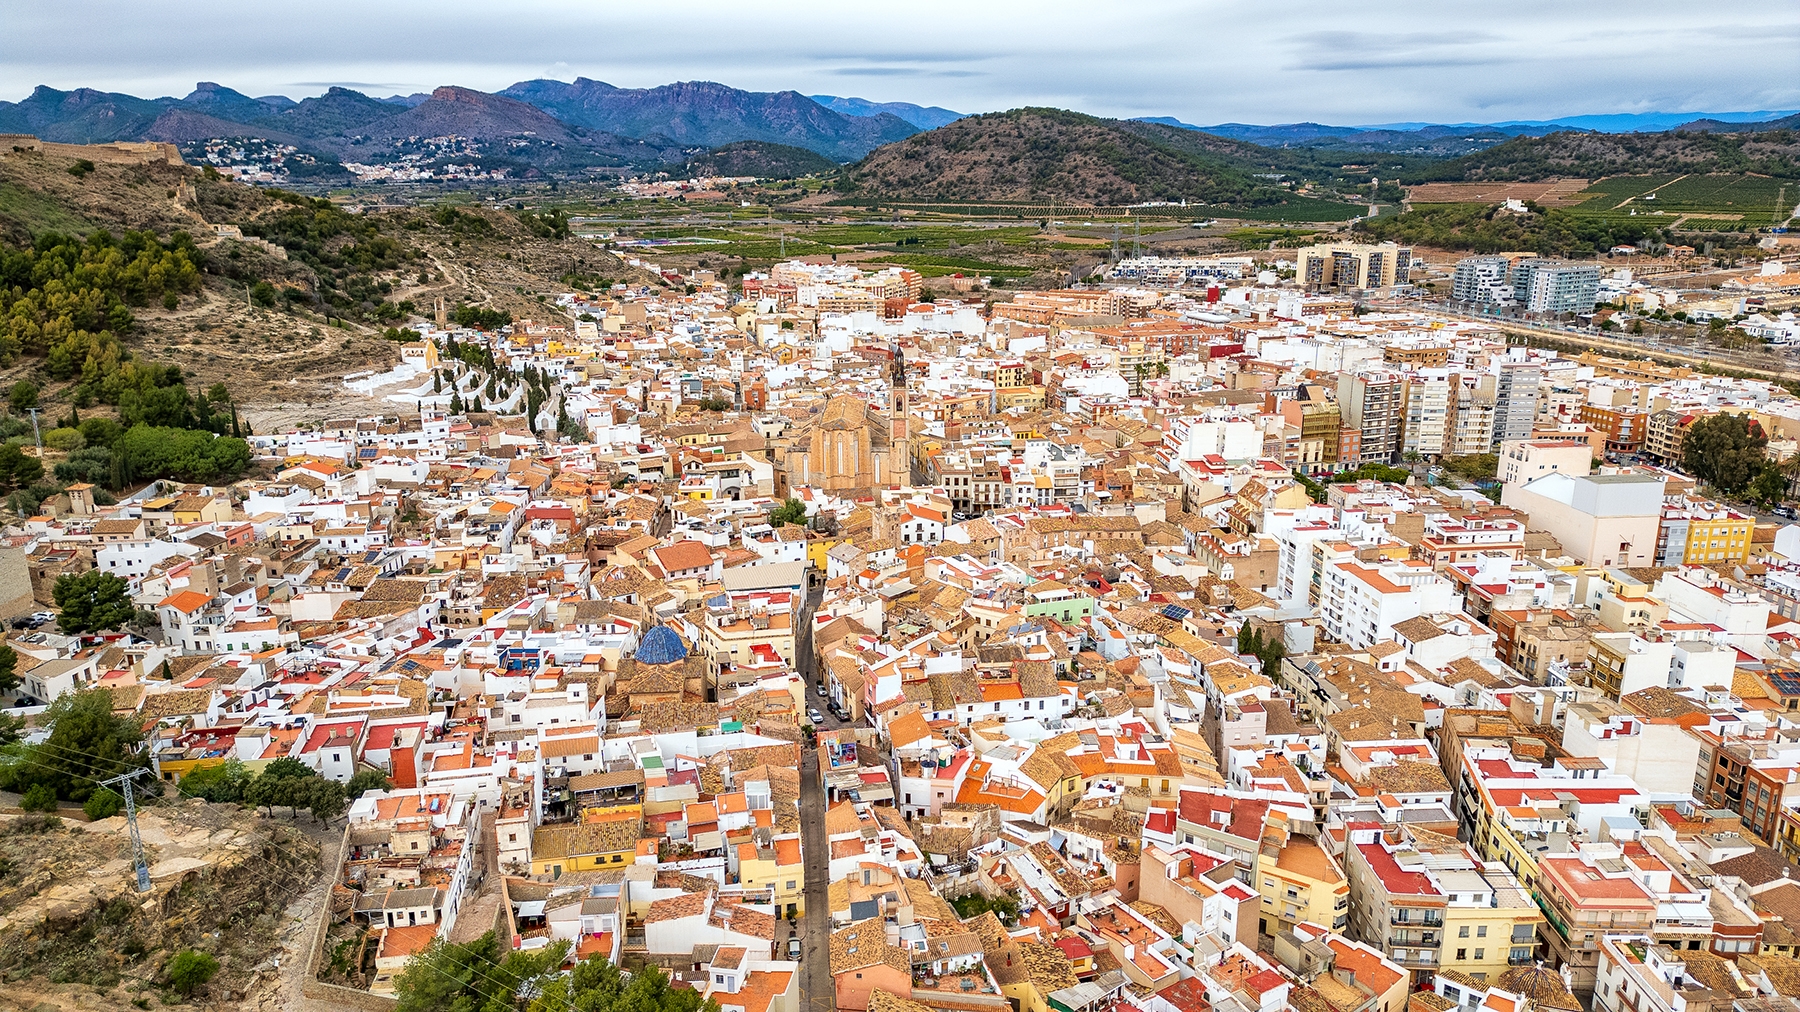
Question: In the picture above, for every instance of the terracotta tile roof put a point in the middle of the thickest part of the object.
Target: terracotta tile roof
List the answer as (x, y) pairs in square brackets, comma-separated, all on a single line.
[(865, 944)]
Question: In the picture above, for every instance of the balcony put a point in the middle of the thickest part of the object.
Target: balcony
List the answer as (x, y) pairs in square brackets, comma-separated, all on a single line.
[(1404, 919)]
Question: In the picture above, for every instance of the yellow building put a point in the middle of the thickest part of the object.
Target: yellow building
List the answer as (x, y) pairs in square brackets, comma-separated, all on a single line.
[(1705, 533), (778, 869), (1031, 398), (816, 547), (584, 846), (1300, 883), (1492, 926)]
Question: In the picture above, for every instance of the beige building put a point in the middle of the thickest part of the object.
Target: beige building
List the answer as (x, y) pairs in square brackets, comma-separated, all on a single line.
[(1353, 265), (1521, 460), (1602, 520), (846, 446)]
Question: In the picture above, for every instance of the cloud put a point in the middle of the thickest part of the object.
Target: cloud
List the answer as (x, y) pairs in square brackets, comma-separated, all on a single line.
[(902, 72)]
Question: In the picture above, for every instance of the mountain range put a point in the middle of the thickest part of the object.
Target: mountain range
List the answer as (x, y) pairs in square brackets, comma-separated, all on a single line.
[(550, 125), (925, 117), (1454, 139)]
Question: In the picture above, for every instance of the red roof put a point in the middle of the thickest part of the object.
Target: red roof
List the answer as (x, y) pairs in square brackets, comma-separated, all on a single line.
[(1398, 882)]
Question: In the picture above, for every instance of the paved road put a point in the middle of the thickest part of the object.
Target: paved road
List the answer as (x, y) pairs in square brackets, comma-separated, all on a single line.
[(817, 993), (1772, 365)]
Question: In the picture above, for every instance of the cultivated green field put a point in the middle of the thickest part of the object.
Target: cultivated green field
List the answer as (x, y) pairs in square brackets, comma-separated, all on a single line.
[(1759, 201)]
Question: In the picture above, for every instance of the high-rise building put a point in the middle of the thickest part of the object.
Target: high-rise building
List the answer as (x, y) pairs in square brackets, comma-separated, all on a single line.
[(1428, 397), (1482, 280), (1515, 402), (1556, 286), (1371, 403), (1353, 265), (1470, 427)]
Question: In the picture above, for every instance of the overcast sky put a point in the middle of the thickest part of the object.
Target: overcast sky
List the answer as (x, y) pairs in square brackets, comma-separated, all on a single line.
[(1203, 62)]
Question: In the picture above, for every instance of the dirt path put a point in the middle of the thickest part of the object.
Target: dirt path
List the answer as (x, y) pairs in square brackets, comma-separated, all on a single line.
[(279, 980)]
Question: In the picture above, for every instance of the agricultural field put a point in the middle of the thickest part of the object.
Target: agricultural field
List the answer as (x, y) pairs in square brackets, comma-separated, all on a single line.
[(1736, 200), (1038, 250)]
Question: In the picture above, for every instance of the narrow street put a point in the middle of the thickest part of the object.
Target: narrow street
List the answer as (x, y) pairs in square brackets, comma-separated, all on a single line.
[(817, 993)]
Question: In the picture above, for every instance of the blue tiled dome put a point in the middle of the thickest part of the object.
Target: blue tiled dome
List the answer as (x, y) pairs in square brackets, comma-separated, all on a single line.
[(661, 646)]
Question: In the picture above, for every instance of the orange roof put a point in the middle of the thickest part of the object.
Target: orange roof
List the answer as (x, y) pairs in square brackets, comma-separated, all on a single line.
[(187, 601), (787, 850), (760, 990)]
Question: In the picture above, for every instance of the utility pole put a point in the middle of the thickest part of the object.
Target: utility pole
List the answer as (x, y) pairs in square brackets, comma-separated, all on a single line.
[(35, 434), (137, 842)]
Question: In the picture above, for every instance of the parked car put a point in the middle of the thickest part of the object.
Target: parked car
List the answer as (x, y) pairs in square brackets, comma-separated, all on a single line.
[(1785, 512), (794, 948), (813, 714), (819, 687)]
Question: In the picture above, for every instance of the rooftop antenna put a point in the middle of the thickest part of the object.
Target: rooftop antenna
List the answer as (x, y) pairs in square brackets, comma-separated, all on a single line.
[(137, 842)]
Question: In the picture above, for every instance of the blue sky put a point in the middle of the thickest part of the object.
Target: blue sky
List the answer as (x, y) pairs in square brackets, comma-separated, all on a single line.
[(1202, 62)]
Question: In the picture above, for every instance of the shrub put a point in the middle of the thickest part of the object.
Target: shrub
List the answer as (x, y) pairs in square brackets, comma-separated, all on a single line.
[(40, 798), (102, 804), (65, 439), (189, 969)]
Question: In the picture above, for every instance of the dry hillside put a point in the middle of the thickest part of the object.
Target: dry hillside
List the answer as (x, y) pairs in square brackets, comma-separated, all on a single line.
[(222, 879), (284, 363)]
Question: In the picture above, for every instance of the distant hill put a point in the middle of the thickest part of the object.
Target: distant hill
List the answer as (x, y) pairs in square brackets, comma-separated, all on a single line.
[(218, 100), (1592, 155), (1050, 154), (704, 114), (1428, 140), (1709, 125), (338, 111), (755, 158), (82, 116), (925, 117)]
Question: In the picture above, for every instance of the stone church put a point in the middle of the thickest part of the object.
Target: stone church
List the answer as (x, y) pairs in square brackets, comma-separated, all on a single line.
[(845, 446)]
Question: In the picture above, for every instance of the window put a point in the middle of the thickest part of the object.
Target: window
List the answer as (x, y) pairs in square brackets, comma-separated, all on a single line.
[(1480, 954), (1481, 931), (1462, 932), (1462, 954), (790, 884)]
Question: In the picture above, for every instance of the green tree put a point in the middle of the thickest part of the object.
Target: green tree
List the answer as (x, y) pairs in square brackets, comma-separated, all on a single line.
[(17, 469), (39, 798), (190, 969), (791, 511), (366, 780), (222, 784), (9, 669), (1725, 451), (92, 602), (24, 396), (102, 804), (287, 768), (87, 743), (325, 799), (1770, 486)]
